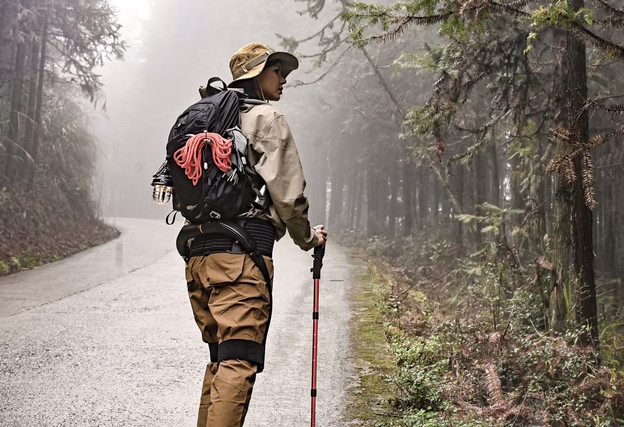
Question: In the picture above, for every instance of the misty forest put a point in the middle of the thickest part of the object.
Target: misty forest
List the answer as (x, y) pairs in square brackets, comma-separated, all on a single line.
[(469, 153)]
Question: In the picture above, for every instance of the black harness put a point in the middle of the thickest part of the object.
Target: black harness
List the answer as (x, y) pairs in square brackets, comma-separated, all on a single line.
[(254, 237)]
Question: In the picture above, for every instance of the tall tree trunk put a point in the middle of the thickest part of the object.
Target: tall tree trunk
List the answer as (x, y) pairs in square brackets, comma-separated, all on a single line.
[(457, 182), (562, 245), (39, 103), (617, 209), (336, 198), (360, 200), (562, 212), (495, 181), (482, 182), (16, 111), (437, 188), (535, 205), (353, 200), (393, 210), (582, 219), (372, 220), (424, 182), (573, 219), (33, 62), (549, 197), (407, 171)]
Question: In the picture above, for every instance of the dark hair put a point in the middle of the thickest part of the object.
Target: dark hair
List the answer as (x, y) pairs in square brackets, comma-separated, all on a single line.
[(249, 86)]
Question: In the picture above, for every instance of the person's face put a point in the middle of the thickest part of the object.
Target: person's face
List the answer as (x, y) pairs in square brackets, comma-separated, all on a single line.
[(272, 82)]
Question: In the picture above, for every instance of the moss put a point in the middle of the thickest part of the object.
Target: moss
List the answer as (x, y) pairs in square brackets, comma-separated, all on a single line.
[(4, 268), (370, 399)]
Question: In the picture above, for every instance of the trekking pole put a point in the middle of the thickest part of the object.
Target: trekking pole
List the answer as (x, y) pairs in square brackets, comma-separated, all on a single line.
[(319, 252)]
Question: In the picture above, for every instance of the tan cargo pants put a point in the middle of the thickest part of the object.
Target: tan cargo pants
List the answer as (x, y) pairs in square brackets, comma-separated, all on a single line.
[(231, 305)]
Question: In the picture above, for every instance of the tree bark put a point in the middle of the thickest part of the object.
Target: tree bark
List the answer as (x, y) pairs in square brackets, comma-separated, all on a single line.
[(495, 180), (16, 111), (353, 200), (336, 198), (39, 103), (33, 62), (457, 182), (407, 170), (372, 220), (573, 218), (582, 217), (618, 207), (393, 210), (424, 182)]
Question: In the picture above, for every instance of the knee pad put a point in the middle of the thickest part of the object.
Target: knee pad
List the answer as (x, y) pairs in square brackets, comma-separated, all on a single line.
[(250, 351)]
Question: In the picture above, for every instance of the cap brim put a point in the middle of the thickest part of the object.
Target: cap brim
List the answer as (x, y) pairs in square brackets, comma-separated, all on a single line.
[(288, 61)]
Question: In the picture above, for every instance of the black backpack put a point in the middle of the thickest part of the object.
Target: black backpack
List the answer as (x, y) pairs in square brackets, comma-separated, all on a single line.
[(214, 193)]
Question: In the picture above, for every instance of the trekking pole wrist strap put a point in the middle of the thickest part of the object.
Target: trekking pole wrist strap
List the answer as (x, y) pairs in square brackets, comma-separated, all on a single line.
[(319, 253)]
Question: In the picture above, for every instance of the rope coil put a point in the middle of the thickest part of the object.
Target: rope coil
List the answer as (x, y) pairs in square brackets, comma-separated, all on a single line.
[(189, 156)]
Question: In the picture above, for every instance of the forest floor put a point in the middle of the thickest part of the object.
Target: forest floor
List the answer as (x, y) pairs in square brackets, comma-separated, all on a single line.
[(437, 345), (35, 230)]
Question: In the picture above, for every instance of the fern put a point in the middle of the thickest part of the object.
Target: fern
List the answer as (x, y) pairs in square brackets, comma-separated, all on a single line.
[(587, 171), (493, 383)]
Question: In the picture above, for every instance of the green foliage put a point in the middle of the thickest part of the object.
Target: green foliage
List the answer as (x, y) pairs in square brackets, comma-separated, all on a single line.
[(493, 219), (469, 339), (560, 14), (362, 15), (421, 373), (612, 340)]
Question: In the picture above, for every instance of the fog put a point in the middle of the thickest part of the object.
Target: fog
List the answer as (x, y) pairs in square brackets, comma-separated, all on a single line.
[(173, 48)]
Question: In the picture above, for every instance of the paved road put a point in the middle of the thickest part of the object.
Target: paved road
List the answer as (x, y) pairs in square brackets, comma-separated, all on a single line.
[(107, 338)]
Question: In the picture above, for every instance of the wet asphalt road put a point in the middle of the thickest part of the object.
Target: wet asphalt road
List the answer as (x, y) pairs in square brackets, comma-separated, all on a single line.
[(107, 338)]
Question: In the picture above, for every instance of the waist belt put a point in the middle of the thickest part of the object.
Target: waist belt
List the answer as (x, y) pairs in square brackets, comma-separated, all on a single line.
[(262, 232)]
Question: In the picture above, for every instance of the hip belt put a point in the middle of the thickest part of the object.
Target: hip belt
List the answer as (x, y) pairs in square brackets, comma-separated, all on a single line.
[(262, 232)]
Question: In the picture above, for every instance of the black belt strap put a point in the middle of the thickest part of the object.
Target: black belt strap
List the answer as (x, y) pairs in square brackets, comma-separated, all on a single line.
[(230, 228)]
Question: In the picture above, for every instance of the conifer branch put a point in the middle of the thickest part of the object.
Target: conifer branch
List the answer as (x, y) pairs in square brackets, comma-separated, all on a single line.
[(598, 140), (615, 15), (607, 47)]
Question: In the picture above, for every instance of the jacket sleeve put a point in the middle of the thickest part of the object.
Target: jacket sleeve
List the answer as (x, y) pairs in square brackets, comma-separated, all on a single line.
[(280, 167)]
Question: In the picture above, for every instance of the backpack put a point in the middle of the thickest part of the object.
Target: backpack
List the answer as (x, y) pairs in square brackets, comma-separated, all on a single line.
[(207, 159)]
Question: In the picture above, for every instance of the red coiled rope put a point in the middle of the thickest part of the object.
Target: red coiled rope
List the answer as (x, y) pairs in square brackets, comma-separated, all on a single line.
[(189, 156)]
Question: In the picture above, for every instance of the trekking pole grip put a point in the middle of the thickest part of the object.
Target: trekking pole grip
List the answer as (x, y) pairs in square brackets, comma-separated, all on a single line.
[(319, 253)]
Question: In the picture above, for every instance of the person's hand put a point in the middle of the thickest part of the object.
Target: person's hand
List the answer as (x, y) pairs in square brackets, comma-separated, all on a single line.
[(321, 234)]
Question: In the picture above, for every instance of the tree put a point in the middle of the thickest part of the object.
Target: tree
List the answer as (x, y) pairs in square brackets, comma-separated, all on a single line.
[(468, 25), (71, 38)]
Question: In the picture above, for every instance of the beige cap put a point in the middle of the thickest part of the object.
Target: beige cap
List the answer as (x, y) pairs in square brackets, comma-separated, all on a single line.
[(250, 60)]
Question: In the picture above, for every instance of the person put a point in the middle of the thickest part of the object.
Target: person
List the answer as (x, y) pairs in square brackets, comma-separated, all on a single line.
[(230, 298)]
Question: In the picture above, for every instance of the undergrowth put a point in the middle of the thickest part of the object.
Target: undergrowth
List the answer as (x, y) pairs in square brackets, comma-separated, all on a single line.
[(470, 346), (54, 216)]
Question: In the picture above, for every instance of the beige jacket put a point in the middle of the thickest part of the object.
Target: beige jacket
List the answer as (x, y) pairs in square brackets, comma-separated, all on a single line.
[(275, 157)]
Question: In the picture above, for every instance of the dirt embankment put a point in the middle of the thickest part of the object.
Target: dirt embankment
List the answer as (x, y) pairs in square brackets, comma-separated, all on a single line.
[(40, 227)]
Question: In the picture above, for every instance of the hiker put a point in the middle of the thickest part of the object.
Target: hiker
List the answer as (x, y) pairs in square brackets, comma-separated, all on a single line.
[(230, 298)]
